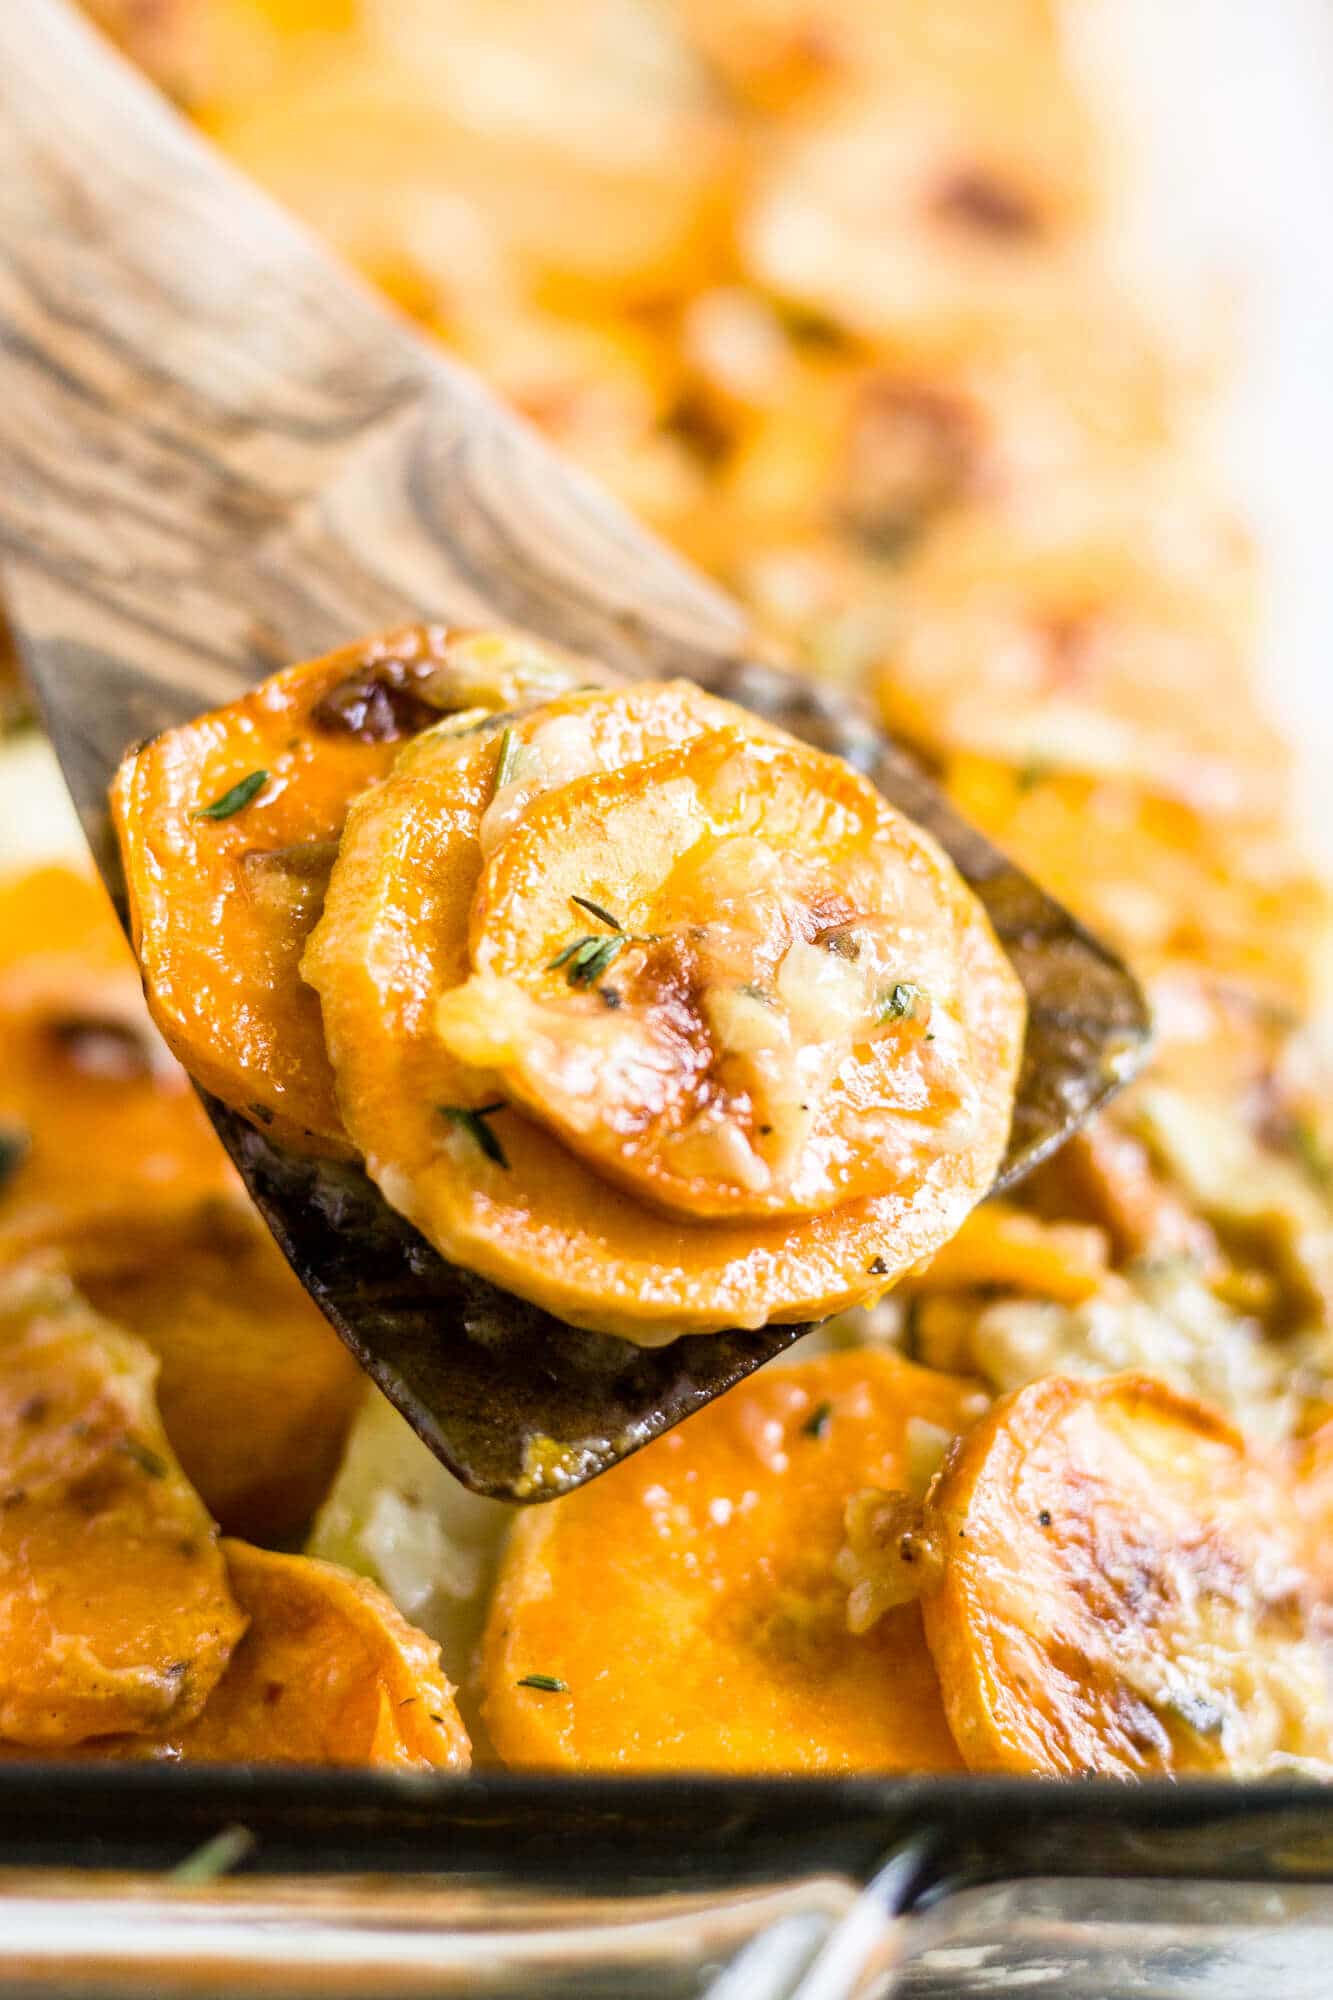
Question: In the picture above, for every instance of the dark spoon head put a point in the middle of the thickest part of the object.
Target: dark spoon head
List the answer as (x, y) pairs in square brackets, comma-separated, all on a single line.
[(231, 456)]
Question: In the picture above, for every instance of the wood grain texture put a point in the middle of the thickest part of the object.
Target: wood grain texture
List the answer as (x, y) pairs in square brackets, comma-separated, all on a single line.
[(219, 453)]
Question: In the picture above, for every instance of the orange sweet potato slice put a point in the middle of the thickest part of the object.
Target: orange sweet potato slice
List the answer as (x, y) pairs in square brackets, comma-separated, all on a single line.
[(488, 1184), (107, 1158), (778, 1006), (99, 1126), (1003, 1245), (255, 1388), (686, 1605), (1165, 884), (1096, 663), (328, 1673), (115, 1612), (1122, 1591), (228, 826)]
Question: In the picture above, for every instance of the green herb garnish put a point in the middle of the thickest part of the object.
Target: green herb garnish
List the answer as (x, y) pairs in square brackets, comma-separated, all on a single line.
[(14, 1145), (899, 1003), (753, 991), (507, 759), (585, 959), (817, 1422), (596, 910), (231, 802), (588, 958), (472, 1120), (1305, 1144), (144, 1457), (1035, 772), (217, 1856), (545, 1683)]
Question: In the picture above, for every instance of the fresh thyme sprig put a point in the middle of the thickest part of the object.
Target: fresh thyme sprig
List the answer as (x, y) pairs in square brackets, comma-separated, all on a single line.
[(899, 1002), (506, 761), (596, 910), (232, 801), (472, 1120), (585, 959)]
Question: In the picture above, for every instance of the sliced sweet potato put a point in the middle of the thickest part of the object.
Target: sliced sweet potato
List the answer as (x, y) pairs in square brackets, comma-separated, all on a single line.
[(107, 1159), (1095, 662), (228, 826), (1002, 1245), (115, 1612), (682, 1612), (1170, 887), (1122, 1591), (915, 219), (99, 1128), (328, 1673), (782, 1012), (491, 1187), (256, 1390)]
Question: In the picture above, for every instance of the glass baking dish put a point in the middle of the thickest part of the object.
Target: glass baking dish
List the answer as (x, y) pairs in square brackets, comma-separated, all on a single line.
[(666, 1889)]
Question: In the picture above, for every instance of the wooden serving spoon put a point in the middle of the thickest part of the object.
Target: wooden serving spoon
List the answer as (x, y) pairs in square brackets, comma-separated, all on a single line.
[(219, 454)]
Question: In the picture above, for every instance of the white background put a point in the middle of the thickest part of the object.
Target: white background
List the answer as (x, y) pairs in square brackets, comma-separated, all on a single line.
[(1223, 112)]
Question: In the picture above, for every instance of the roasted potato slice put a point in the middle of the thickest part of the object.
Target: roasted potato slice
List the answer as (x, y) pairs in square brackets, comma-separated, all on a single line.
[(328, 1673), (501, 149), (256, 1390), (1084, 657), (99, 1128), (1122, 1591), (1000, 1245), (682, 1613), (228, 827), (1185, 897), (783, 1014), (501, 1195), (107, 1159), (115, 1611), (913, 221)]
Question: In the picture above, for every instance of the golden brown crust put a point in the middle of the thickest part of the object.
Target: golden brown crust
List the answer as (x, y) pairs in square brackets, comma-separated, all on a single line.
[(1123, 1591)]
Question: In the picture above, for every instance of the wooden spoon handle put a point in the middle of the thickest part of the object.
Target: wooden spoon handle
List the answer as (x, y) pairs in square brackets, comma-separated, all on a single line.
[(214, 464)]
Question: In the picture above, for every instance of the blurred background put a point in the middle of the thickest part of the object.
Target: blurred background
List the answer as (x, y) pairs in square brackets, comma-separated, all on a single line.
[(866, 304)]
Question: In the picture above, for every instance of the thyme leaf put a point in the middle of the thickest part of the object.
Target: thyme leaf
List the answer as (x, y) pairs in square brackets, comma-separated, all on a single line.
[(14, 1145), (1305, 1144), (507, 759), (217, 1856), (817, 1423), (545, 1683), (147, 1460), (472, 1120), (899, 1003), (596, 910), (587, 958), (232, 801)]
